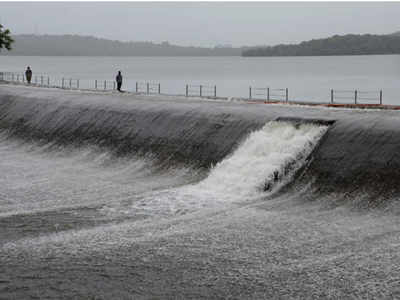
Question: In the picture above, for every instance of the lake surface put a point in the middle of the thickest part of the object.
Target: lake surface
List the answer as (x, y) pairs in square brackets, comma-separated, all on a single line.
[(307, 78)]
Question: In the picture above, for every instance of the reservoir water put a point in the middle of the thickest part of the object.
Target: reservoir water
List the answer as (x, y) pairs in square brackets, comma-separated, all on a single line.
[(307, 78)]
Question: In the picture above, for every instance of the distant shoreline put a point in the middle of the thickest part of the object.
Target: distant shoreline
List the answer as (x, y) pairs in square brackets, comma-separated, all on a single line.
[(75, 45), (86, 46), (337, 45)]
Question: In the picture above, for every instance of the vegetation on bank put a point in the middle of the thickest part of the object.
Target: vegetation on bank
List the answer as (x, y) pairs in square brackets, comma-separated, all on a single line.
[(350, 44), (5, 38), (76, 45)]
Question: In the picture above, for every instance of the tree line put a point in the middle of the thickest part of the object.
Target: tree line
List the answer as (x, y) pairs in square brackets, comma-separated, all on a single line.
[(350, 44), (76, 45)]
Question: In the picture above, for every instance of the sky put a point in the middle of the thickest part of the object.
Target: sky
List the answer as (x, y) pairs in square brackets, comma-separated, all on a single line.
[(202, 23)]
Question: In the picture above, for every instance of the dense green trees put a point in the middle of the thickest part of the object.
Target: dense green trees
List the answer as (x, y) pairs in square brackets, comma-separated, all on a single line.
[(350, 44), (5, 38)]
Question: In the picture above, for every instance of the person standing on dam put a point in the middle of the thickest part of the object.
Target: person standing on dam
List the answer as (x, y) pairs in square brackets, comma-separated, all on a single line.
[(119, 81), (28, 74)]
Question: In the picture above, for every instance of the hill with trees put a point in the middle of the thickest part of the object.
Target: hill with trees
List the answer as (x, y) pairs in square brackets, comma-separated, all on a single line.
[(75, 45), (350, 44)]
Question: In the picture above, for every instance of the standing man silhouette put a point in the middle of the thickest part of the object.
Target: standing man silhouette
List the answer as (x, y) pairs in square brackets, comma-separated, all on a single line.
[(28, 74), (119, 81)]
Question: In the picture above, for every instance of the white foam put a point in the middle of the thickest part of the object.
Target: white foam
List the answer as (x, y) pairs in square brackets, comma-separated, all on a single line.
[(261, 157), (239, 177), (261, 164)]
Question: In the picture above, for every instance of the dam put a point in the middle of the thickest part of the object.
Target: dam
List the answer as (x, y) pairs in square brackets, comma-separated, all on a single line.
[(122, 196)]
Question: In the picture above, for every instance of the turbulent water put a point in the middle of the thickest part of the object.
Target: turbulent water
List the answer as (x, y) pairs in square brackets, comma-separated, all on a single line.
[(104, 196)]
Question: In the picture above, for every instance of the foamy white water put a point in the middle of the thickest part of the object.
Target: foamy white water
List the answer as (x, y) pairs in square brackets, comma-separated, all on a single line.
[(239, 177), (265, 161), (262, 159), (38, 179)]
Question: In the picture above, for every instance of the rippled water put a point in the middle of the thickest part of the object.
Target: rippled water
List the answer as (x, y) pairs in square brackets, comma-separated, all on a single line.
[(77, 226), (307, 78), (104, 196)]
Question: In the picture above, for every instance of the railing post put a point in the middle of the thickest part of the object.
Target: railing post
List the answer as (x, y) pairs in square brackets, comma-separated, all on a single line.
[(70, 83), (287, 94), (113, 85), (355, 97), (268, 94), (23, 78), (62, 84), (159, 88), (137, 87), (35, 79), (331, 96), (48, 81), (187, 90), (200, 90), (12, 77), (147, 87), (215, 91), (41, 80), (249, 92), (380, 97), (77, 84), (105, 84), (95, 84), (18, 77)]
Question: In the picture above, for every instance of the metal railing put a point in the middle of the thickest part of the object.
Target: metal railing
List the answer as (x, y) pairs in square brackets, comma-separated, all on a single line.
[(265, 94), (357, 96), (10, 76), (69, 83), (104, 85), (148, 88), (39, 80), (268, 94), (201, 90)]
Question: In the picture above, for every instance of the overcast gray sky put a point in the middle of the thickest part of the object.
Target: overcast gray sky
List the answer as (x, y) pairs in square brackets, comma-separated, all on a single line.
[(203, 23)]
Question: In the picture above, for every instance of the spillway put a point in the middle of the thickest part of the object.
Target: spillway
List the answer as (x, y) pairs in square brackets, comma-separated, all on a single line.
[(127, 196)]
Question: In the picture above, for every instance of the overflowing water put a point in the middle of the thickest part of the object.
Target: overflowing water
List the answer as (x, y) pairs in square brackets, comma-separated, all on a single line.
[(105, 198), (49, 178), (270, 155)]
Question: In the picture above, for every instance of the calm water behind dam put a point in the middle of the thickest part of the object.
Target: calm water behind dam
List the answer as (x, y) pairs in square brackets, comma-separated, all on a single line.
[(307, 78)]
